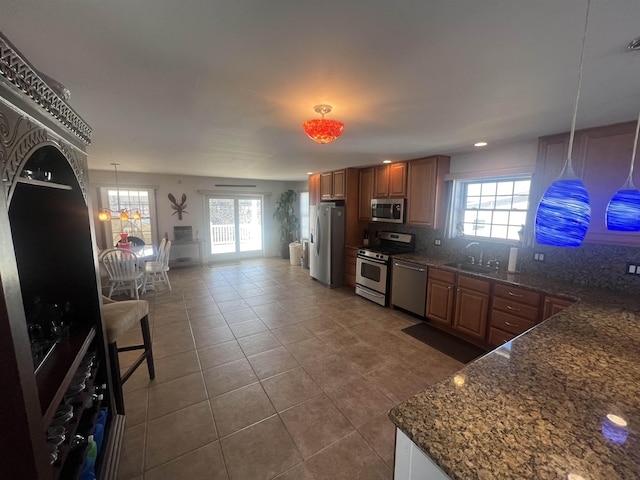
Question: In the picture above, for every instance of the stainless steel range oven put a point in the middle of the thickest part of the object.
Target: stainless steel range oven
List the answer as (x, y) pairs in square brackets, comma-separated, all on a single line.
[(373, 265)]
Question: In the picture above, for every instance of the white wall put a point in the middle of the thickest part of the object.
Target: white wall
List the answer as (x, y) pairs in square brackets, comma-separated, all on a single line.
[(190, 185), (510, 159)]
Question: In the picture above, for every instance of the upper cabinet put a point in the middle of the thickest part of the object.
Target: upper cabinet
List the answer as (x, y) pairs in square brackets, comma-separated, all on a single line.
[(314, 189), (366, 193), (340, 186), (602, 157), (333, 185), (426, 196), (390, 180)]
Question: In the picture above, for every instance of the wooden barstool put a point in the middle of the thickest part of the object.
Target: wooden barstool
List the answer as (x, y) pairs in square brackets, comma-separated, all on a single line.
[(118, 318)]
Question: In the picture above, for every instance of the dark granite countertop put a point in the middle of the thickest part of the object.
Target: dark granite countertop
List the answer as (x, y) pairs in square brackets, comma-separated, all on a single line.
[(545, 405)]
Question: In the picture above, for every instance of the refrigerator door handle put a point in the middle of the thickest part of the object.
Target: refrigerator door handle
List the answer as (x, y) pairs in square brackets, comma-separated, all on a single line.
[(318, 235)]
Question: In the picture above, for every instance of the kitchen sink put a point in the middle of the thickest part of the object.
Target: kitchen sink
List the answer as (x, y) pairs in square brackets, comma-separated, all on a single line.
[(471, 267)]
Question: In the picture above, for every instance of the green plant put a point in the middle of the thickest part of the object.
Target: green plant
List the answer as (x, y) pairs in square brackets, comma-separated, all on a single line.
[(285, 214)]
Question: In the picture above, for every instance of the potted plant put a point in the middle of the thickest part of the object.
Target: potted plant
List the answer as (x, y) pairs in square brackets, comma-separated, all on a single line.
[(285, 214)]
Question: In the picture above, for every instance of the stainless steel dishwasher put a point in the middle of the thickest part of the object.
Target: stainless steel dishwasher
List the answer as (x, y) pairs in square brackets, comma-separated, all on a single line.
[(409, 286)]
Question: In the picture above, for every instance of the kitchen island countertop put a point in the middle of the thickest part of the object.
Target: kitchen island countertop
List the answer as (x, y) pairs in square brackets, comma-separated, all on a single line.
[(551, 403)]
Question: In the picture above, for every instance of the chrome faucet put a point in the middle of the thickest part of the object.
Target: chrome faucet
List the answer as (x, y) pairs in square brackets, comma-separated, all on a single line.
[(473, 260)]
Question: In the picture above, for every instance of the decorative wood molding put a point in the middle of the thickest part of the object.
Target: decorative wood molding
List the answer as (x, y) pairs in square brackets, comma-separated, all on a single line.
[(20, 137), (15, 68)]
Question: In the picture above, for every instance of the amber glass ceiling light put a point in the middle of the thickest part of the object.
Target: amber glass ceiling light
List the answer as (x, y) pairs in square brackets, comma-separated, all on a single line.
[(104, 215), (623, 210), (322, 130), (564, 211)]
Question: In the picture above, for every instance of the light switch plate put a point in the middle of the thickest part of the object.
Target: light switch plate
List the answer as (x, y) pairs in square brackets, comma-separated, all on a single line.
[(437, 242)]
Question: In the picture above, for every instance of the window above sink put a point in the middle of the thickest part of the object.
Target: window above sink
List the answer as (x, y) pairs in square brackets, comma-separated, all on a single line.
[(490, 209)]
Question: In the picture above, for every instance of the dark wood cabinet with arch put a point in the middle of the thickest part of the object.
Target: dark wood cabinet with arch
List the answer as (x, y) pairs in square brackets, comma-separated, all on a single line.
[(52, 343)]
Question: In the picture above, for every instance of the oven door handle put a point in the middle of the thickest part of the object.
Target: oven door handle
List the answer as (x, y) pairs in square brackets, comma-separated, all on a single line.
[(396, 264), (372, 260), (374, 294)]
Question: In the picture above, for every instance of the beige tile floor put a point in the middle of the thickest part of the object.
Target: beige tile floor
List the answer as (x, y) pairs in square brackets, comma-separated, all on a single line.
[(264, 373)]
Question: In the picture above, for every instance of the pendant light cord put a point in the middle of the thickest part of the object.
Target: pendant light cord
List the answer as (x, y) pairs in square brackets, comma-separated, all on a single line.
[(115, 167), (575, 107), (633, 155)]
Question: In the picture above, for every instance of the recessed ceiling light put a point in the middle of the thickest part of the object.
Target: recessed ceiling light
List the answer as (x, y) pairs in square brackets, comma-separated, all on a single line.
[(386, 161), (480, 144), (309, 173)]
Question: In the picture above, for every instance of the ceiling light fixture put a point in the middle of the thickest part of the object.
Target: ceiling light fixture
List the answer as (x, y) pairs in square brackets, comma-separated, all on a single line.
[(564, 211), (123, 214), (321, 130), (623, 210), (386, 161), (480, 144)]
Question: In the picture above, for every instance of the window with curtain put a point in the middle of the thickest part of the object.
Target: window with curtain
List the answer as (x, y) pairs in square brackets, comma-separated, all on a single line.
[(490, 208)]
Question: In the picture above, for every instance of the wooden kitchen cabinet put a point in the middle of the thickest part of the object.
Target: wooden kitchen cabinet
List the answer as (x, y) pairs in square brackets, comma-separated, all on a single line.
[(314, 189), (426, 195), (365, 176), (390, 180), (333, 185), (553, 305), (513, 311), (472, 306), (350, 266), (440, 294), (326, 186), (341, 186), (602, 158)]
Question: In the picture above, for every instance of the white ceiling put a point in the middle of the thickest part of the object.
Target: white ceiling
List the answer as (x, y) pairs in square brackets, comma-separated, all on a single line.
[(221, 87)]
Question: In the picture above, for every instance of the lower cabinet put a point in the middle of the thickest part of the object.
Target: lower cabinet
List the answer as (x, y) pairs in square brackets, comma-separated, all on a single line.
[(458, 303), (472, 306), (553, 305), (440, 292), (350, 266), (513, 311), (484, 311)]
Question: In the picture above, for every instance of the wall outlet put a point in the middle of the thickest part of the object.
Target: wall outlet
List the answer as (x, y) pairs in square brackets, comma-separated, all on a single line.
[(437, 242), (633, 269), (538, 257)]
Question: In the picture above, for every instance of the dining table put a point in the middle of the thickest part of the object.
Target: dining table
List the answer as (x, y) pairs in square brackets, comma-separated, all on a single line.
[(145, 253)]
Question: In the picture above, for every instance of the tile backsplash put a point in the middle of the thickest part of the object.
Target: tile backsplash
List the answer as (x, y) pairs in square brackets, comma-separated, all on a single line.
[(602, 266)]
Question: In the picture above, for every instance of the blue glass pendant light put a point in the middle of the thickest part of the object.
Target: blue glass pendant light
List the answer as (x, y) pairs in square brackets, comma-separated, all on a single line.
[(564, 211), (623, 211)]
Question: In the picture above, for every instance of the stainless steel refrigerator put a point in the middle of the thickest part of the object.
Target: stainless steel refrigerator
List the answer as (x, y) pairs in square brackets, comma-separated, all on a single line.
[(326, 244)]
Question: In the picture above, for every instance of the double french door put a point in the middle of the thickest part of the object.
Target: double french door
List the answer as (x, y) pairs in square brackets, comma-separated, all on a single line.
[(235, 227)]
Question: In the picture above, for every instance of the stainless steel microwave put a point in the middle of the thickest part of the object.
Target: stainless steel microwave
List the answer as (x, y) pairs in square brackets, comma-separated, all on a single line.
[(390, 210)]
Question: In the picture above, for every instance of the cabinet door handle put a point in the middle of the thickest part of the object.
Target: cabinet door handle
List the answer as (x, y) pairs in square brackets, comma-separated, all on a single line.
[(509, 307), (511, 294), (511, 324)]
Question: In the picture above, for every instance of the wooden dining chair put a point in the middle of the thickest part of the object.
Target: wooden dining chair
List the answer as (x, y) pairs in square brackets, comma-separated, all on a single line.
[(158, 270), (124, 271)]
